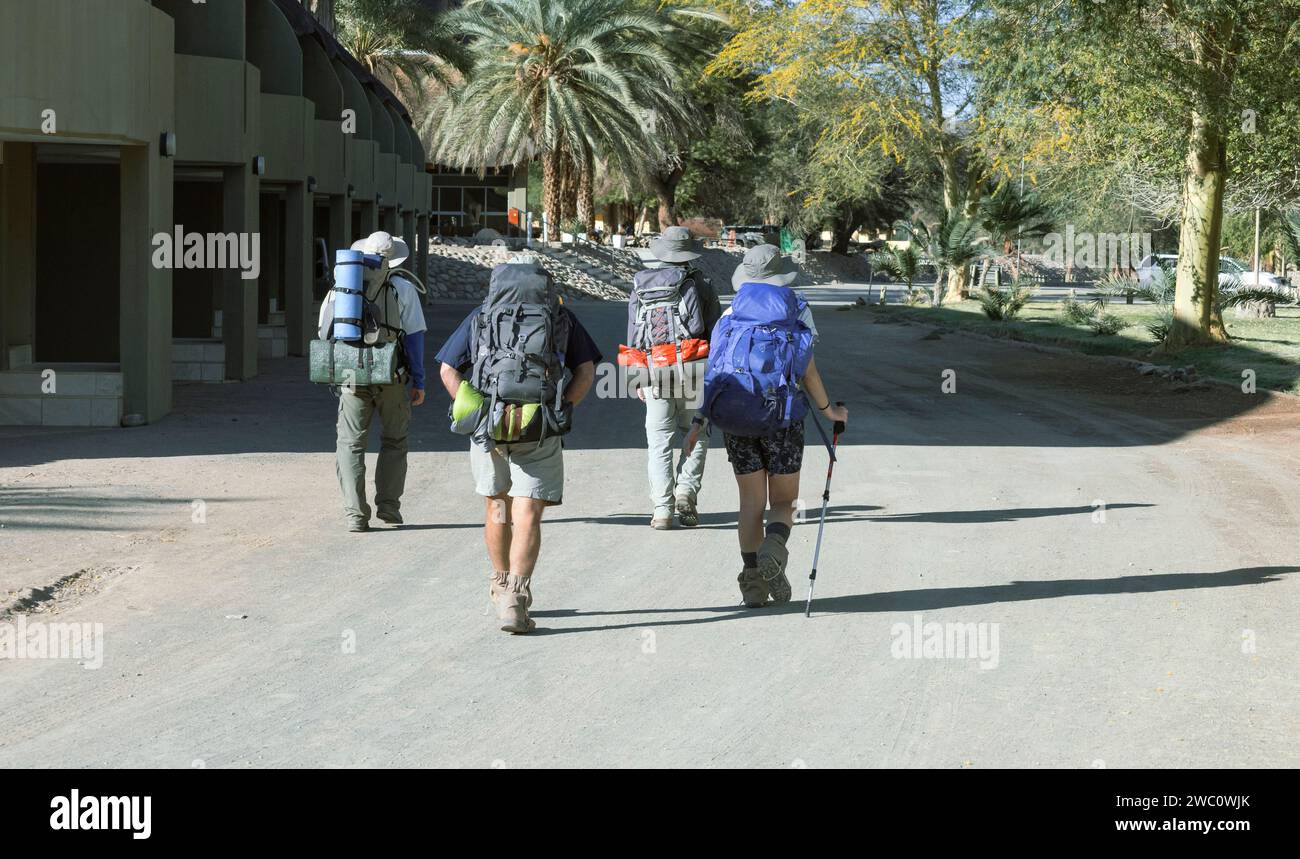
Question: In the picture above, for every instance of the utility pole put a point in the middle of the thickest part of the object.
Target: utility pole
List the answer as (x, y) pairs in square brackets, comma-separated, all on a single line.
[(1256, 265)]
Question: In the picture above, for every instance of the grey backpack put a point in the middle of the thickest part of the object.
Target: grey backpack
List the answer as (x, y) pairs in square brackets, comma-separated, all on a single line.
[(517, 342), (665, 307)]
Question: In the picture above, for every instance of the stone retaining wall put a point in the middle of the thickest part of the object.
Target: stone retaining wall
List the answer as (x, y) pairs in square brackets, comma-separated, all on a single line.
[(461, 272)]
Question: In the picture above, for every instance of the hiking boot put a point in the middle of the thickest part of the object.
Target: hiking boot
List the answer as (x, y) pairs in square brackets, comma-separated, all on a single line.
[(687, 515), (497, 586), (512, 606), (662, 519), (393, 518), (753, 590), (772, 558), (358, 526)]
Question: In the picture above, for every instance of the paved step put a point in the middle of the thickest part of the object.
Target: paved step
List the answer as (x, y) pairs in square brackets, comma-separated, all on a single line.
[(198, 359), (272, 341), (63, 396)]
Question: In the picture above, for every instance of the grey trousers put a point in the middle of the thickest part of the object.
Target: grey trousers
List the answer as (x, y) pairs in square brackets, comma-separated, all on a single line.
[(667, 421), (356, 408)]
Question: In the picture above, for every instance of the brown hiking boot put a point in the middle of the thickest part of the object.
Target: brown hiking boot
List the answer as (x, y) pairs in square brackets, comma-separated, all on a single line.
[(772, 558), (753, 590), (512, 605), (497, 586), (687, 515)]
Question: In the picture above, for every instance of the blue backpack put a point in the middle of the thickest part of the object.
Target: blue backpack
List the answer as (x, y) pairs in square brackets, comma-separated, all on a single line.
[(757, 355)]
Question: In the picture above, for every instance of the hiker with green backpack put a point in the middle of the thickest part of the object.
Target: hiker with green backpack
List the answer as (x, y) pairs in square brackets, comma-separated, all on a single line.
[(761, 382), (672, 308), (382, 335), (515, 369)]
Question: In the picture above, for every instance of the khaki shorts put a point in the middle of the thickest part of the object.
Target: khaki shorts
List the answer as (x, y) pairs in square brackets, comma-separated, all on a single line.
[(525, 470)]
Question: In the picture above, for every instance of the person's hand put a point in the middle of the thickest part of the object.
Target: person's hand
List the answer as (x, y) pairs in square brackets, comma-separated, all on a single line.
[(417, 396), (691, 438), (640, 394), (837, 413)]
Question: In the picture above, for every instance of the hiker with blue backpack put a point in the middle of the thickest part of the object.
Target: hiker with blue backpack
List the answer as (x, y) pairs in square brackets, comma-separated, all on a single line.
[(374, 309), (515, 369), (761, 382)]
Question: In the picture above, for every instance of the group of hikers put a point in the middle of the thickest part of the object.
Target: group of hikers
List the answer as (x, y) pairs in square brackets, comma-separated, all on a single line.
[(519, 364)]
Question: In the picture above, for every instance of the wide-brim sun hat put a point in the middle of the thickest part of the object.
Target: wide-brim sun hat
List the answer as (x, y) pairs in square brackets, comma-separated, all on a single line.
[(764, 264), (674, 244), (394, 250)]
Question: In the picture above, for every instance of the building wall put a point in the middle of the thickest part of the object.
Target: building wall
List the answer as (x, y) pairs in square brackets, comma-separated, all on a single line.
[(230, 79)]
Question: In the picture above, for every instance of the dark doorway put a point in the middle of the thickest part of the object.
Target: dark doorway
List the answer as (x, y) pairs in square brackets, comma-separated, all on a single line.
[(78, 235), (195, 291)]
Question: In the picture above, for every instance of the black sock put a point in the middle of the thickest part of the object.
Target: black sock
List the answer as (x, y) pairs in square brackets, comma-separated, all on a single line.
[(780, 529), (749, 559)]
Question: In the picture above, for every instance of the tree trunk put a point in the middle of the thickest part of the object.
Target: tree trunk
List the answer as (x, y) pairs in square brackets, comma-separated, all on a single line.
[(551, 176), (665, 189), (1196, 320), (568, 190), (587, 196)]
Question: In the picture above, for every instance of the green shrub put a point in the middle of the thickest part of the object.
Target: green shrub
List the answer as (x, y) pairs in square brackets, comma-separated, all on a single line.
[(1005, 303), (1107, 324), (1077, 313)]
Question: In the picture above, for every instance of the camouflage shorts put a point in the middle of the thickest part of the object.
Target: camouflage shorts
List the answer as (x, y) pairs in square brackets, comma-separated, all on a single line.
[(780, 454)]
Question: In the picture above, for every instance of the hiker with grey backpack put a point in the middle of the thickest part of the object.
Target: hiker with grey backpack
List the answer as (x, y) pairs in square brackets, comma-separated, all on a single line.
[(761, 383), (671, 311), (515, 369)]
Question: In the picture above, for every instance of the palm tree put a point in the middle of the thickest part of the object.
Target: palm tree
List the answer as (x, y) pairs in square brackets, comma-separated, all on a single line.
[(952, 245), (402, 43), (567, 80), (899, 263), (1009, 215)]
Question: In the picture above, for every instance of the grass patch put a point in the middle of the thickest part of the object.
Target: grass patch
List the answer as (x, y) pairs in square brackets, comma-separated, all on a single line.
[(1270, 347)]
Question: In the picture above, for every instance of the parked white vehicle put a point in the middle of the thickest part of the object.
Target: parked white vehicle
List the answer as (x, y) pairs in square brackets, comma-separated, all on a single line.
[(1229, 270)]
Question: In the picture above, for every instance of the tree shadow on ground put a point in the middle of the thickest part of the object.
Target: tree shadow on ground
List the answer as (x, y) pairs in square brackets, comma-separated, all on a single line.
[(812, 516), (65, 509), (933, 599)]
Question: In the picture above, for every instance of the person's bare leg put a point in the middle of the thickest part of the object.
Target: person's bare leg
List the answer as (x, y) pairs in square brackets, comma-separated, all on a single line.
[(753, 504), (526, 538), (497, 532), (782, 493), (782, 490), (525, 544)]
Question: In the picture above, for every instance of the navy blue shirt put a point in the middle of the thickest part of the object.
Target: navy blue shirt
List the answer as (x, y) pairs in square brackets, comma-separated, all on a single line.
[(581, 348)]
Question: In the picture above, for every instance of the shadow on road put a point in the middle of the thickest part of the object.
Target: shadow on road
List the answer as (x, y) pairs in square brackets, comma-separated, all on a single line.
[(956, 517), (934, 599), (57, 507), (812, 515)]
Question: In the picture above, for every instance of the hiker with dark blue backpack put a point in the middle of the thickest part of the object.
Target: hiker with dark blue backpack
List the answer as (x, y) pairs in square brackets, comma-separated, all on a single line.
[(515, 369), (671, 311), (761, 382)]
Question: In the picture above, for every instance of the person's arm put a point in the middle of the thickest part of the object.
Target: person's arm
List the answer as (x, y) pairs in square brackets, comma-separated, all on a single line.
[(414, 346), (326, 317), (812, 385), (455, 354), (584, 375), (451, 379), (712, 305)]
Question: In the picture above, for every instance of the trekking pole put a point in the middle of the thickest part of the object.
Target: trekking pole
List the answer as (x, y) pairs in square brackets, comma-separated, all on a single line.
[(826, 500)]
